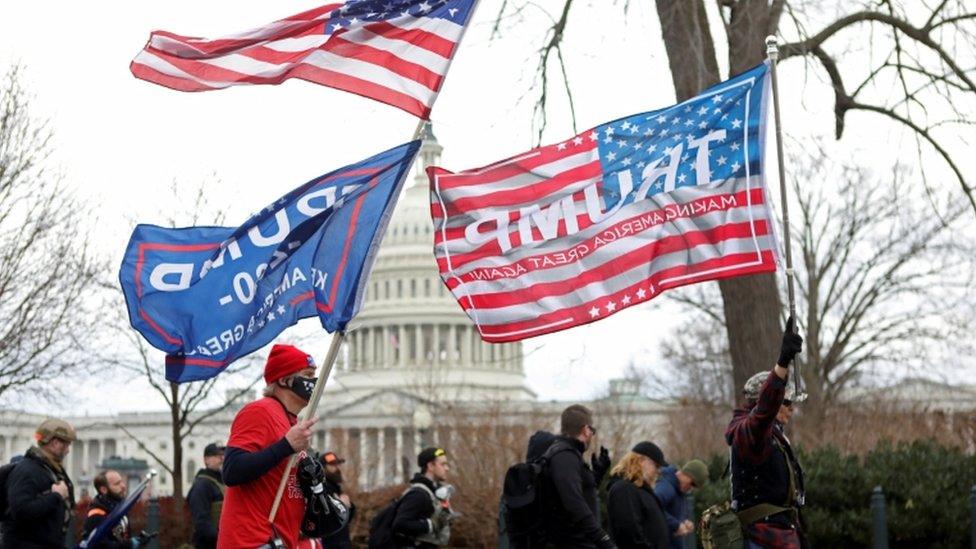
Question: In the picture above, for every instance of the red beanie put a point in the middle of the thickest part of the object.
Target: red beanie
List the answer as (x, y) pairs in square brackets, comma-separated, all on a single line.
[(284, 360)]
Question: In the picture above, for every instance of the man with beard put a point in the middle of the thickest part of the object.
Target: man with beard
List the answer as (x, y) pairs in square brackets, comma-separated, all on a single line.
[(206, 497), (333, 485), (110, 490), (40, 496), (265, 433)]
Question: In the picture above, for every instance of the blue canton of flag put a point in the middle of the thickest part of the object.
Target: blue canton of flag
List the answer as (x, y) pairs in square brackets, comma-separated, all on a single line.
[(704, 141), (356, 13), (210, 295)]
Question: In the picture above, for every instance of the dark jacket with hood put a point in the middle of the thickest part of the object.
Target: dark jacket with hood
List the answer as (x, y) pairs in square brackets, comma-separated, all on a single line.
[(207, 489), (413, 514), (37, 517), (761, 457), (635, 516), (118, 536), (571, 520)]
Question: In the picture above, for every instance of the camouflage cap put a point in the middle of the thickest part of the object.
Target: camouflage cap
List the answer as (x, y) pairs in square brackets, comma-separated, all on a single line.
[(754, 384), (54, 428)]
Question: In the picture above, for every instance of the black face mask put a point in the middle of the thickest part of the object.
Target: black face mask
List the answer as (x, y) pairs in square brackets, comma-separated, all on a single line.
[(303, 387)]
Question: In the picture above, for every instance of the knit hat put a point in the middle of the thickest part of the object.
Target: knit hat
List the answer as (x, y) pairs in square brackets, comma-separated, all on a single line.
[(754, 385), (213, 449), (284, 360), (652, 451), (697, 470)]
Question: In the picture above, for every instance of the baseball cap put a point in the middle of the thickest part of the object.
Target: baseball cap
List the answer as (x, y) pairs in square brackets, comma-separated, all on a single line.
[(284, 360), (428, 455), (650, 450), (697, 470), (754, 384), (213, 449), (54, 428), (330, 458)]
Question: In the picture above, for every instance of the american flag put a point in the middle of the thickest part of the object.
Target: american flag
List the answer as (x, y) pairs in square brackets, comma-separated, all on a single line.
[(570, 233), (394, 51)]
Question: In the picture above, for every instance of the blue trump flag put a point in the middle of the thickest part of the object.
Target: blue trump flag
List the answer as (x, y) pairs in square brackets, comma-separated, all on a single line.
[(210, 295)]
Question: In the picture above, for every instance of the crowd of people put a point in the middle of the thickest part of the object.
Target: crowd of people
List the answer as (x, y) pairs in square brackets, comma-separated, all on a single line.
[(554, 499)]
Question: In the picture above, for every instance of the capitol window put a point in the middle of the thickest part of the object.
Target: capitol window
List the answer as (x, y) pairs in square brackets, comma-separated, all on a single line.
[(426, 287), (413, 287)]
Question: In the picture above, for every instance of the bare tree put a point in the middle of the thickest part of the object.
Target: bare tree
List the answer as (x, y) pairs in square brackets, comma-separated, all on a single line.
[(924, 49), (48, 273), (884, 287)]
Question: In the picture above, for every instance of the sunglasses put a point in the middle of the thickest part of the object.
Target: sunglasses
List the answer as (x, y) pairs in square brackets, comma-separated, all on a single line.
[(788, 403), (592, 428)]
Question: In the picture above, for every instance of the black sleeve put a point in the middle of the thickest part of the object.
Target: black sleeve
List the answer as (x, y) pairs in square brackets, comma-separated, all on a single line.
[(200, 499), (29, 497), (241, 466), (413, 514), (92, 522), (623, 510), (567, 471)]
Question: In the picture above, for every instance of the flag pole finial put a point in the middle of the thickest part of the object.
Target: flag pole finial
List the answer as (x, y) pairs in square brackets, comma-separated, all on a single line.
[(772, 45)]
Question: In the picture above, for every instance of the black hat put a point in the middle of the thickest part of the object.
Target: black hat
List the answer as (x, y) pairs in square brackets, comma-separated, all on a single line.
[(650, 450), (428, 455), (213, 449)]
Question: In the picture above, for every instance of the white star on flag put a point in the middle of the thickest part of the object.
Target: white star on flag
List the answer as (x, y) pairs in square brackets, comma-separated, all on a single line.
[(594, 312), (641, 293)]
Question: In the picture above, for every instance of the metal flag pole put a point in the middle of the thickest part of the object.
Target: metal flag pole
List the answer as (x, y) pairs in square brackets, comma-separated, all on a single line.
[(309, 411), (772, 53)]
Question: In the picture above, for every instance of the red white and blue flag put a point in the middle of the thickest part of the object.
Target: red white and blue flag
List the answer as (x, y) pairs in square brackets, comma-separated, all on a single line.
[(394, 51), (571, 233)]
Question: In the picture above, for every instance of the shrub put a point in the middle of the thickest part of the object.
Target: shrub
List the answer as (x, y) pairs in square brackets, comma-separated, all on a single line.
[(926, 486)]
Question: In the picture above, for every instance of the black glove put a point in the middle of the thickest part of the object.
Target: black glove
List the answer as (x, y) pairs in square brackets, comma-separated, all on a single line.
[(143, 538), (792, 345), (600, 464)]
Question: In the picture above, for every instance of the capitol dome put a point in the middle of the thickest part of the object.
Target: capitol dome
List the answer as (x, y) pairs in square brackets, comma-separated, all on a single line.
[(411, 335)]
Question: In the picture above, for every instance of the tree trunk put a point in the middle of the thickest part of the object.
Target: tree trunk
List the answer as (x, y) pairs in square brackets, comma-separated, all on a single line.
[(751, 303), (177, 445)]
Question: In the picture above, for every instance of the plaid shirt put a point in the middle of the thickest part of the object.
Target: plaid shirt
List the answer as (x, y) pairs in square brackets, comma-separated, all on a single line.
[(750, 434), (751, 431)]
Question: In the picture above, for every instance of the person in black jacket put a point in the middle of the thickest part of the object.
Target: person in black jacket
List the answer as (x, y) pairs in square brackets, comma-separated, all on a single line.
[(570, 487), (206, 498), (40, 496), (634, 513), (110, 491), (333, 485), (423, 515)]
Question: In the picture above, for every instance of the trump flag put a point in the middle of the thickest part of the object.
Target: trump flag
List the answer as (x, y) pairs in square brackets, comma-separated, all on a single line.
[(210, 295), (394, 51), (571, 233)]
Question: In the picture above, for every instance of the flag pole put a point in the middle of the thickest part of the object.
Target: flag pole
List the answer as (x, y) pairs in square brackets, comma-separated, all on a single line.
[(309, 411), (772, 53)]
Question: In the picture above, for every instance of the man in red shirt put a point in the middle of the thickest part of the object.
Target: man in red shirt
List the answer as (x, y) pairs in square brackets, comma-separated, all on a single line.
[(264, 435)]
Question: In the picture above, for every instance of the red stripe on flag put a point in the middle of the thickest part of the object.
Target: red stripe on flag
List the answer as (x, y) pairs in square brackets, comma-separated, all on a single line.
[(420, 38), (623, 263), (580, 315), (362, 52)]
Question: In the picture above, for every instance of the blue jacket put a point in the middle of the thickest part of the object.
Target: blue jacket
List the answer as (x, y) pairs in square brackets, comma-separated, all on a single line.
[(668, 492)]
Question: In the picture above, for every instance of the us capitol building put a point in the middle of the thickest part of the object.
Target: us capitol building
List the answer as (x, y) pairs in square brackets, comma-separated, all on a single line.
[(409, 355)]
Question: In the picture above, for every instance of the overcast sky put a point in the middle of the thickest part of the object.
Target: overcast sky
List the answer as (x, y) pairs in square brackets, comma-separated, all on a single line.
[(120, 141)]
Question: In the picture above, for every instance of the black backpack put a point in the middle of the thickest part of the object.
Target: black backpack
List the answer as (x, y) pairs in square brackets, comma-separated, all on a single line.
[(381, 525), (4, 473), (524, 499)]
